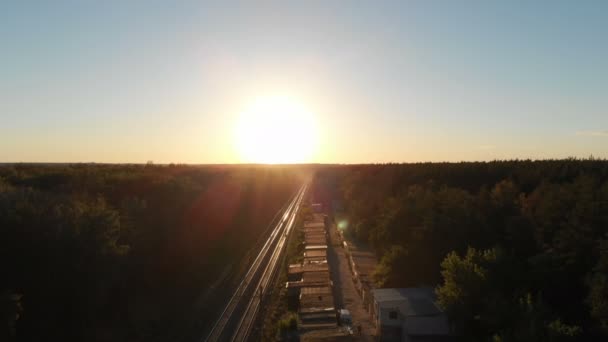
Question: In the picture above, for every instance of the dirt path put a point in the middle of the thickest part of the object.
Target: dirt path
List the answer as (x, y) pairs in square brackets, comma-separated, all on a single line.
[(345, 293)]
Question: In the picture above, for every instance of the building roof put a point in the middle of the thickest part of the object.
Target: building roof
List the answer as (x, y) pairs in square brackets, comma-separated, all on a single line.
[(315, 261), (329, 311), (413, 301), (298, 268), (314, 231), (314, 227), (315, 276), (316, 253), (304, 284), (316, 222), (316, 240), (311, 247), (315, 290), (315, 234), (316, 302)]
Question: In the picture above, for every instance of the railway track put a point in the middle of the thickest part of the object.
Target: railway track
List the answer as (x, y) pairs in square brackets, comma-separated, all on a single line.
[(239, 315)]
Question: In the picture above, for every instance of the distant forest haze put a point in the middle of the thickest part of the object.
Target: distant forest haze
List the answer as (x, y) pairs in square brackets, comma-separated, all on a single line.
[(125, 253), (516, 250)]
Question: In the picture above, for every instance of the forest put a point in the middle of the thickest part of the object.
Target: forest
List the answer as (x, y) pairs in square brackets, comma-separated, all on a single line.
[(516, 250), (93, 252)]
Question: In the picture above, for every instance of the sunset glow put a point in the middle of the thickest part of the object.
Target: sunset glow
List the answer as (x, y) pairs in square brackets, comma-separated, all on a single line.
[(275, 130)]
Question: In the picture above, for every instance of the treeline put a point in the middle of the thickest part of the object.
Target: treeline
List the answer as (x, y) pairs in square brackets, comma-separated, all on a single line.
[(125, 253), (517, 250)]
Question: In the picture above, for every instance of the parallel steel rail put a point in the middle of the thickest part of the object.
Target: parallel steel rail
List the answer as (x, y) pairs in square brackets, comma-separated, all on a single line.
[(237, 319), (249, 317)]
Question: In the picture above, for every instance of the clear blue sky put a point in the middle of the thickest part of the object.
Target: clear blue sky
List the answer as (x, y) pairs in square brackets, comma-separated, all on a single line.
[(131, 81)]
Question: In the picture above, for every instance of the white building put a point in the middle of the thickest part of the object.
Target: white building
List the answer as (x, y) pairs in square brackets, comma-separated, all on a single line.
[(409, 315)]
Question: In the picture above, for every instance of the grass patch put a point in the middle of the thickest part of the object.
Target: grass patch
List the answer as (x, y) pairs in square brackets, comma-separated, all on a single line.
[(287, 325)]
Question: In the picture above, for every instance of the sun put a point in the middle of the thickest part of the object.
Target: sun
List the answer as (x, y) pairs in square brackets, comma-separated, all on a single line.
[(275, 130)]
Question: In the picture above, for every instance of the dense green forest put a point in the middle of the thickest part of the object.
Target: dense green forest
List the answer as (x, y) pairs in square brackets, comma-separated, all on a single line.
[(126, 252), (517, 250)]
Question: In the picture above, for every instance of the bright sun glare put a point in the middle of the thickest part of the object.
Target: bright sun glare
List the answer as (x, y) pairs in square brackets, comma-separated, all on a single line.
[(276, 130)]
